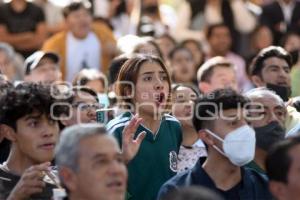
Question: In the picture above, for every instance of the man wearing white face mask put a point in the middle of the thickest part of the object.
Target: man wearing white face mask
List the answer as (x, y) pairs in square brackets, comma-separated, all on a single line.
[(219, 118)]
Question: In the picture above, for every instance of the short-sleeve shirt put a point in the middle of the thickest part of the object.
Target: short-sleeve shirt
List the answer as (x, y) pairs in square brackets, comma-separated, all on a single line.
[(8, 181), (156, 160), (252, 186), (20, 22)]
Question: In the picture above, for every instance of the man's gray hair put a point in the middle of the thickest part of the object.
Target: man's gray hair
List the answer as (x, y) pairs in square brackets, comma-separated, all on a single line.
[(262, 92), (67, 149)]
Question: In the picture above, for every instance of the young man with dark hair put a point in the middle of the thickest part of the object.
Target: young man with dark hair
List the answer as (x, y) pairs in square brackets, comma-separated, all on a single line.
[(26, 121), (216, 73), (282, 164), (4, 143), (271, 68), (219, 119)]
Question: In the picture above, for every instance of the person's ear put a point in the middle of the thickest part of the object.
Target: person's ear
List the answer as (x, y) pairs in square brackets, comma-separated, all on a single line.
[(257, 81), (205, 137), (204, 87), (9, 133), (68, 178), (278, 189)]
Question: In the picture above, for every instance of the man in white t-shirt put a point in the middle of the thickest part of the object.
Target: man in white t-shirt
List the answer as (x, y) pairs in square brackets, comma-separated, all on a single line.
[(84, 45)]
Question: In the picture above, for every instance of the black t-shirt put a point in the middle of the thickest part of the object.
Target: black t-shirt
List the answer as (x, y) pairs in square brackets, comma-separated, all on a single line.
[(8, 181), (20, 22), (4, 150)]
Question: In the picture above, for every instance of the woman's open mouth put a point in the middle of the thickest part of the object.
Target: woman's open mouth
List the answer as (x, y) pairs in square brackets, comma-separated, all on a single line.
[(159, 98)]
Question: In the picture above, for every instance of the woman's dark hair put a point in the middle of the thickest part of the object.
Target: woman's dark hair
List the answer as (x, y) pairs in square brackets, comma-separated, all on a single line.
[(115, 67), (146, 41)]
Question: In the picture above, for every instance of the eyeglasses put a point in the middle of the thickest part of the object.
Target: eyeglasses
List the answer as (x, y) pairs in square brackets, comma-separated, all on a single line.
[(87, 106)]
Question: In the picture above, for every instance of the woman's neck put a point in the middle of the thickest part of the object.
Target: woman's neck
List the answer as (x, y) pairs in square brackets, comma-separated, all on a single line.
[(150, 121), (189, 135)]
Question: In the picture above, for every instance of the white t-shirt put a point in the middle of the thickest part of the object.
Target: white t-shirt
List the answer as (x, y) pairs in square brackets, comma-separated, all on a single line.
[(82, 53)]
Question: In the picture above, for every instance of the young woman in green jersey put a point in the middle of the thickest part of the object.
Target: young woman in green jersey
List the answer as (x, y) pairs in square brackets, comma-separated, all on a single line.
[(144, 89)]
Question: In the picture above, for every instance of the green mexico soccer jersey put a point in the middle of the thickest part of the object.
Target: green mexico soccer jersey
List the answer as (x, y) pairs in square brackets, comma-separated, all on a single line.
[(156, 160)]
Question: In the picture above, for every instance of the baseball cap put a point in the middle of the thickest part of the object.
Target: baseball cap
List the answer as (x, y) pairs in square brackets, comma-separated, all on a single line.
[(33, 60)]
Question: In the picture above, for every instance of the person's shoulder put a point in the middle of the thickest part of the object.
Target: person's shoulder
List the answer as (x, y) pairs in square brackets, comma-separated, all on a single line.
[(55, 41), (118, 123), (255, 175), (171, 119), (172, 122), (4, 9), (4, 6), (175, 182), (258, 182), (102, 30), (7, 182)]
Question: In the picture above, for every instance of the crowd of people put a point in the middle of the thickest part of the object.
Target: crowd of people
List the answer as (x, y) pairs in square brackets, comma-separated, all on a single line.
[(143, 100)]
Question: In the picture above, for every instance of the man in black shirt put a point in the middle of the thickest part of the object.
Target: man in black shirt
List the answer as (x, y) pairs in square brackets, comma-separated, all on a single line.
[(22, 24)]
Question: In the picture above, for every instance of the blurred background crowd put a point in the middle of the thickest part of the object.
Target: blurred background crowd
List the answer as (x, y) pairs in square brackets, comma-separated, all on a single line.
[(184, 33)]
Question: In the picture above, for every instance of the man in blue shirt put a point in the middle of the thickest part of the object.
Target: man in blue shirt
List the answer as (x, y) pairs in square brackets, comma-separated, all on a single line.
[(219, 119)]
